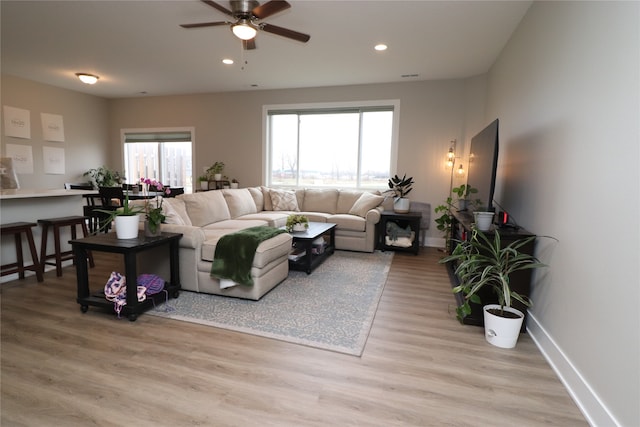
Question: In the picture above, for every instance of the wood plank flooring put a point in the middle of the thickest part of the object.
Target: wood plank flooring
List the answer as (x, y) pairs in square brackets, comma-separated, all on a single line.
[(420, 367)]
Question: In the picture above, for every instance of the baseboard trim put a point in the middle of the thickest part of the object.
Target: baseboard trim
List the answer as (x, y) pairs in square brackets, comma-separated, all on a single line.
[(581, 392)]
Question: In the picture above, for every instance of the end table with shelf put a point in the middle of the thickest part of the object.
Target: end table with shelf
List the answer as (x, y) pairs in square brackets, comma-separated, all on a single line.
[(129, 248), (403, 220)]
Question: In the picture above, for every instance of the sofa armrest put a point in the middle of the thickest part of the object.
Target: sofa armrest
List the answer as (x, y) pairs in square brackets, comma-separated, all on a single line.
[(192, 237), (373, 216)]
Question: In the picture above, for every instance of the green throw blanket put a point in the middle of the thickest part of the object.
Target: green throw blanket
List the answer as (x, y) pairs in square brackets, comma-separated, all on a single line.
[(235, 252)]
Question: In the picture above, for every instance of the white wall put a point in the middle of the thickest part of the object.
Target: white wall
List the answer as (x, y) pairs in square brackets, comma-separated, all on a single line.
[(85, 121), (566, 90)]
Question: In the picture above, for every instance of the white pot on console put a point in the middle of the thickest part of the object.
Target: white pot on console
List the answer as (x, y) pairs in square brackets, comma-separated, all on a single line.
[(127, 226), (401, 205), (483, 220)]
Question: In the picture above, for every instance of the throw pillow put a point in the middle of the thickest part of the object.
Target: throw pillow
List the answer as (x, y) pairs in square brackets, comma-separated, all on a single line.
[(365, 203), (284, 200)]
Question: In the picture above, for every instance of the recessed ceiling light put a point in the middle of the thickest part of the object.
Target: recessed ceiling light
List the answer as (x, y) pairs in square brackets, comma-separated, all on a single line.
[(380, 47), (227, 61), (89, 79)]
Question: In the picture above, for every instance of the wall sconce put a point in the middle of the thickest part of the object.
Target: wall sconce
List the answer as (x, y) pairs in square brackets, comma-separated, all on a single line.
[(451, 154), (460, 170)]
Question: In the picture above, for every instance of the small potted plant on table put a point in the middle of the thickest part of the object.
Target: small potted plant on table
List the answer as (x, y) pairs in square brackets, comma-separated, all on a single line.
[(297, 222), (216, 170), (401, 187)]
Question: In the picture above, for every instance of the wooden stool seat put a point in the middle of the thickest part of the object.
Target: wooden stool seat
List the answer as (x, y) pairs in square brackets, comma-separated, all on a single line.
[(17, 228), (59, 255)]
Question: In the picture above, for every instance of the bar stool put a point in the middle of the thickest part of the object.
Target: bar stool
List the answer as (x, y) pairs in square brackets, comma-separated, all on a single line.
[(57, 223), (17, 228)]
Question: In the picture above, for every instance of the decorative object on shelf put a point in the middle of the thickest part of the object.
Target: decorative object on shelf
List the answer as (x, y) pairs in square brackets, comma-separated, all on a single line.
[(215, 170), (204, 182), (483, 220), (234, 183), (400, 187), (124, 217), (104, 177), (153, 207), (481, 262), (297, 222)]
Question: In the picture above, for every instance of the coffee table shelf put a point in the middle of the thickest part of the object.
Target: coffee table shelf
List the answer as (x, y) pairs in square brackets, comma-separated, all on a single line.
[(304, 240)]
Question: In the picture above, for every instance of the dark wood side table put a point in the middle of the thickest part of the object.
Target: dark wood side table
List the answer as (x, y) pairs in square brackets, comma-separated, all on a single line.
[(304, 240), (129, 248), (411, 219)]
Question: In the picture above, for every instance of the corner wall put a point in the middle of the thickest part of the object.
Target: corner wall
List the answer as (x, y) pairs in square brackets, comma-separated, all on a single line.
[(566, 89)]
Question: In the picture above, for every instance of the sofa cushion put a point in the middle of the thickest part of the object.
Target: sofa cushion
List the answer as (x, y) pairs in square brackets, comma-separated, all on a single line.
[(346, 199), (266, 252), (266, 194), (284, 200), (348, 222), (258, 197), (175, 211), (274, 219), (317, 216), (317, 200), (239, 202), (365, 203), (235, 224), (206, 207)]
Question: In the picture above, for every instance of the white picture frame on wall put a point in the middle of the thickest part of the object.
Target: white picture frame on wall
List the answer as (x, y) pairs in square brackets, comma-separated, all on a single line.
[(17, 122), (22, 156), (52, 127), (53, 160)]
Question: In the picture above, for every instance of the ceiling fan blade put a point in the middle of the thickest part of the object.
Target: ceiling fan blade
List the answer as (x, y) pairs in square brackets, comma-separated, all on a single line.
[(249, 44), (205, 24), (270, 8), (218, 7), (285, 32)]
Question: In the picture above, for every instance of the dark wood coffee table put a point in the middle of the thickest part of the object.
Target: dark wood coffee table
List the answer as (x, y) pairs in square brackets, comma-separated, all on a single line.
[(304, 240)]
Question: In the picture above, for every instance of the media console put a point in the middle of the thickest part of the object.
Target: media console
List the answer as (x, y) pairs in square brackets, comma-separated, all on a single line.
[(461, 227)]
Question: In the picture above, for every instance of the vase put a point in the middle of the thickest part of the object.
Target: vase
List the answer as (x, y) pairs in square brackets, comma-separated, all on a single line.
[(126, 226), (148, 232)]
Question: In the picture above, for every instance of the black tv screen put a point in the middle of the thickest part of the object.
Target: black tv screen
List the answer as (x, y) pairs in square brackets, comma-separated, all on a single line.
[(483, 162)]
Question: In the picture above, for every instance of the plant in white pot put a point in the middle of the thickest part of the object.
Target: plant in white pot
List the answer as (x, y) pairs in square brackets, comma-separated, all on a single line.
[(463, 192), (297, 222), (400, 187), (126, 219), (215, 170), (483, 262)]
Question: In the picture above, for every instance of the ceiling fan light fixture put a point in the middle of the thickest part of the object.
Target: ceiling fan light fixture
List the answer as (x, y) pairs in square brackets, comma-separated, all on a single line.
[(89, 79), (244, 30)]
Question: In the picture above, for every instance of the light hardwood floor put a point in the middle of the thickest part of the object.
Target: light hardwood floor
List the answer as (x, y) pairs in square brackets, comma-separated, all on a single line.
[(420, 367)]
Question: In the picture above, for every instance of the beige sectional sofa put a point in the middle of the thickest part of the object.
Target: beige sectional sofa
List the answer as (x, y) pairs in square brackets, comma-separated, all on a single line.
[(204, 217)]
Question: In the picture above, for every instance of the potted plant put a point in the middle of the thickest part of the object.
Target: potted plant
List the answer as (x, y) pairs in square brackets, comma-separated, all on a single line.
[(153, 207), (125, 218), (234, 183), (400, 187), (443, 222), (297, 222), (204, 182), (463, 193), (216, 170), (483, 262), (104, 177)]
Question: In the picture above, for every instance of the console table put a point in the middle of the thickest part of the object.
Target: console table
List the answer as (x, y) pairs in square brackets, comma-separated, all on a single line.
[(129, 248), (520, 281)]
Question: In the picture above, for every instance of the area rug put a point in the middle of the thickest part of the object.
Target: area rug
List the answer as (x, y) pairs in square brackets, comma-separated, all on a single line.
[(332, 308)]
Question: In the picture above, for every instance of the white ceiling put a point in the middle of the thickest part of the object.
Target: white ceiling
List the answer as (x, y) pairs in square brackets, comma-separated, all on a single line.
[(138, 46)]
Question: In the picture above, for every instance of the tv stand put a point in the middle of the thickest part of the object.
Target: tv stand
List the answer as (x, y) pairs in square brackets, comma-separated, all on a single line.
[(520, 280)]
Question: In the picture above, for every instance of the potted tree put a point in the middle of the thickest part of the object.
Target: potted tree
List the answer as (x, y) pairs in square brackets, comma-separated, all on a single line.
[(483, 262), (401, 187)]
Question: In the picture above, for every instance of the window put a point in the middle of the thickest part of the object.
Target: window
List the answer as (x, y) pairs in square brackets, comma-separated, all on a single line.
[(161, 155), (347, 146)]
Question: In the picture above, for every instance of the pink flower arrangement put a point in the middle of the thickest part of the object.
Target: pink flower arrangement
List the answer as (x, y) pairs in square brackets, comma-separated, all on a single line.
[(154, 214)]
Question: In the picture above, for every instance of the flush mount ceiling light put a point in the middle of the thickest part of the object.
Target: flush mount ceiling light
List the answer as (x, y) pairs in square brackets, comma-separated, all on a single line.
[(227, 61), (380, 47), (89, 79), (244, 30)]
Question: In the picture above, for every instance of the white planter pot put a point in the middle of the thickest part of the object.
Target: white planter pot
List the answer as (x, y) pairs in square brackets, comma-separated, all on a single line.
[(217, 176), (234, 185), (127, 226), (204, 185), (502, 331), (299, 227), (483, 220), (401, 205)]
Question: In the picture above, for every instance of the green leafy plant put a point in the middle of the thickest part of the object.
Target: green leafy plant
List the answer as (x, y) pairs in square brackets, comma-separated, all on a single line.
[(296, 219), (481, 261), (400, 186), (203, 178), (215, 168), (153, 207), (104, 177), (464, 191)]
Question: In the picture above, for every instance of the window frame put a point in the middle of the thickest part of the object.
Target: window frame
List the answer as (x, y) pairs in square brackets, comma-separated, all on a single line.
[(394, 104)]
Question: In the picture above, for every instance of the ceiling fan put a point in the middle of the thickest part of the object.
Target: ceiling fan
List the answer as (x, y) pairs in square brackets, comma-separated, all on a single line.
[(247, 16)]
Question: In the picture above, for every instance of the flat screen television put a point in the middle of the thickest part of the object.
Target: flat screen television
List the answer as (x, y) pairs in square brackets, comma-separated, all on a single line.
[(483, 163)]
